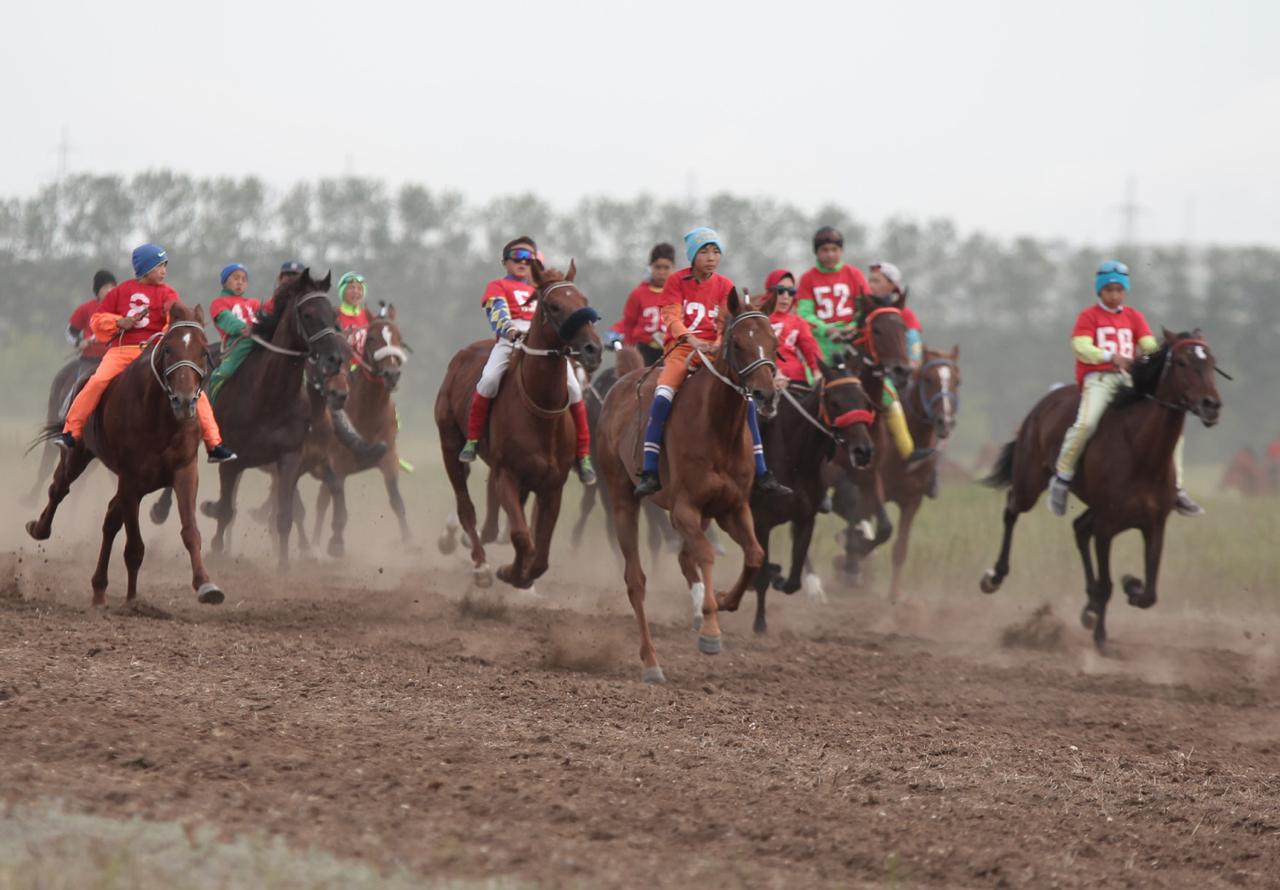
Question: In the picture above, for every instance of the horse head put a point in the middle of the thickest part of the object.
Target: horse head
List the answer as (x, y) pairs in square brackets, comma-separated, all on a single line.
[(848, 412), (334, 388), (305, 320), (750, 349), (882, 341), (1186, 375), (384, 347), (564, 318), (938, 389), (180, 359)]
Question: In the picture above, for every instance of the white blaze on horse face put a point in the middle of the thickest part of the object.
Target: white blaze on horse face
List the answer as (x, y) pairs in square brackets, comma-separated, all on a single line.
[(944, 378), (386, 334), (186, 339), (1200, 353), (760, 350)]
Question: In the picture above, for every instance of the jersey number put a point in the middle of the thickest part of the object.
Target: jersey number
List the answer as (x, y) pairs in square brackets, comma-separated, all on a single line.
[(139, 305), (694, 315), (1117, 341), (652, 319), (834, 306)]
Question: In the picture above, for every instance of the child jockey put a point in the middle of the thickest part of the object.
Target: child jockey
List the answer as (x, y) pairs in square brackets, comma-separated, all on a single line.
[(132, 313), (352, 317), (641, 324), (79, 330), (828, 293), (1103, 341), (795, 339), (510, 305), (884, 286), (691, 311), (889, 286), (232, 311)]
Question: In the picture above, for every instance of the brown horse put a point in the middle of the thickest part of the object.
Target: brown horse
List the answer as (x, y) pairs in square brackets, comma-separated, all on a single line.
[(373, 414), (816, 426), (529, 444), (64, 386), (707, 468), (931, 403), (1125, 477), (146, 432), (262, 408)]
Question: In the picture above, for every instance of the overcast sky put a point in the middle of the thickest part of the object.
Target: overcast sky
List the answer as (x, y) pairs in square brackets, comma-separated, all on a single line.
[(1010, 118)]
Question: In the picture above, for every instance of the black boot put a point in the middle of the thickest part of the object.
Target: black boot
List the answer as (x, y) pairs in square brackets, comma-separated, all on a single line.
[(648, 484), (769, 484)]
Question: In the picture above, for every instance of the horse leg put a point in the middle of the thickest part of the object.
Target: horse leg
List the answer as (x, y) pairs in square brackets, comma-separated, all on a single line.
[(995, 576), (161, 508), (699, 556), (466, 516), (1140, 594), (626, 521), (1094, 616), (764, 577), (740, 527), (300, 522), (48, 460), (391, 479), (287, 468), (68, 470), (322, 507), (489, 533), (134, 547), (659, 528), (545, 513), (512, 499), (1083, 528), (185, 482), (338, 491), (906, 516), (801, 538), (585, 505), (110, 527), (223, 510)]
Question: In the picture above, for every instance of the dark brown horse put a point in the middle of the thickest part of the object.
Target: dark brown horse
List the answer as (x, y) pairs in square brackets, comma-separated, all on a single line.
[(707, 467), (815, 426), (145, 431), (931, 403), (372, 412), (1125, 477), (529, 444), (64, 386), (262, 408)]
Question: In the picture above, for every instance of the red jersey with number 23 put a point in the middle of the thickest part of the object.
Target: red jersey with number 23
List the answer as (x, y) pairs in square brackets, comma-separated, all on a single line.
[(699, 303), (519, 296), (834, 294), (1115, 332)]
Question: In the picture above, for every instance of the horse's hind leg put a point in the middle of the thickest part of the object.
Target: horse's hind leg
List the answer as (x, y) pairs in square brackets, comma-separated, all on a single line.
[(134, 547), (48, 460), (68, 470), (906, 516), (288, 466), (338, 543), (585, 505), (223, 510), (1094, 616), (391, 479), (185, 483), (995, 576), (160, 509), (1140, 594), (300, 522), (764, 578), (110, 527), (801, 538), (740, 527), (323, 497), (1083, 528)]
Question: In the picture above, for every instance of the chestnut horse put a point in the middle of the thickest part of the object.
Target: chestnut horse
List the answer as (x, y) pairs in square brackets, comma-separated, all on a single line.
[(707, 467), (931, 403), (145, 431), (816, 426), (529, 443), (1125, 478), (373, 414), (263, 410)]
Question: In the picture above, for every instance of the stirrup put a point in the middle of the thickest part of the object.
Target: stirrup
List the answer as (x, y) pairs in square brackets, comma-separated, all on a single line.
[(649, 484)]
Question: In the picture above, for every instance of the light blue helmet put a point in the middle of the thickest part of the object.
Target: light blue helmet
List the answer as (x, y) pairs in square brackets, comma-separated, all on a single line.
[(1111, 272), (700, 238), (146, 257)]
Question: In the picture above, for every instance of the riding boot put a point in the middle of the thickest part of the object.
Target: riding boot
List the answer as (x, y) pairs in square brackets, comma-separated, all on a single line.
[(345, 432), (1059, 488), (1186, 506), (220, 454), (765, 481), (658, 411), (586, 472)]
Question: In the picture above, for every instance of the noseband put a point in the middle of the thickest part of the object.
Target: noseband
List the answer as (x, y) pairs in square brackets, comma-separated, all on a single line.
[(726, 352), (162, 377), (831, 426), (953, 396)]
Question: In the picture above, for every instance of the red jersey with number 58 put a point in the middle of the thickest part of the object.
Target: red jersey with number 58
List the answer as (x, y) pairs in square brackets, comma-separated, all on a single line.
[(1116, 332), (834, 294), (693, 306)]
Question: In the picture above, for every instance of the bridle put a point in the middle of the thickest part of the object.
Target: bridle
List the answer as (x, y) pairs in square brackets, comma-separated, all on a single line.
[(727, 353), (389, 349), (942, 395), (826, 424), (326, 331), (866, 341), (162, 377), (565, 331), (1164, 372)]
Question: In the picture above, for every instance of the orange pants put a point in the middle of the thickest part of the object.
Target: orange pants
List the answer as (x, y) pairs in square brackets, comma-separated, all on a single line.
[(676, 366), (115, 361)]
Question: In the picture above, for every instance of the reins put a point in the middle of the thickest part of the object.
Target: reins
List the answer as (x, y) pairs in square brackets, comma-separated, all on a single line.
[(726, 352), (163, 377), (867, 335), (579, 317), (326, 331), (827, 423)]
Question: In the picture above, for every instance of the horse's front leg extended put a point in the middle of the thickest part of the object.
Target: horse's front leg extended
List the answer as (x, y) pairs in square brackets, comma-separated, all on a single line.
[(801, 537), (288, 466), (545, 513), (1143, 595), (185, 482), (739, 526), (507, 489)]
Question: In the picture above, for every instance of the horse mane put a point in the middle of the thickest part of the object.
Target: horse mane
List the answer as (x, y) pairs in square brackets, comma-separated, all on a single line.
[(1146, 375), (282, 300)]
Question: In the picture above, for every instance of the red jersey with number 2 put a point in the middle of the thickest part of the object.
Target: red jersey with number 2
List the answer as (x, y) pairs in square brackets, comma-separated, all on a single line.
[(699, 303), (834, 294), (1115, 332)]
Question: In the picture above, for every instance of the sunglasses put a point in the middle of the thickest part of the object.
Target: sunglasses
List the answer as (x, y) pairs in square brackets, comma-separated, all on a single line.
[(521, 255), (780, 290)]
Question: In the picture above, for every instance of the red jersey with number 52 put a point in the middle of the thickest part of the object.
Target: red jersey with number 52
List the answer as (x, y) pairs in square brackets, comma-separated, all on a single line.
[(693, 306), (518, 294), (834, 294), (641, 322), (1115, 332)]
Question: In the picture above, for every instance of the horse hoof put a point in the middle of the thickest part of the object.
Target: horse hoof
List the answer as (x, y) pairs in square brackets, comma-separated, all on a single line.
[(761, 630), (210, 594), (482, 576), (447, 542), (1088, 618), (990, 584), (209, 509), (708, 645), (1136, 591), (34, 530), (336, 549), (653, 675), (158, 515)]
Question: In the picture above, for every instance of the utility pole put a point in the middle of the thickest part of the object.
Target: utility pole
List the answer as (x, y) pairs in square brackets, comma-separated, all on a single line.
[(64, 155), (1129, 212)]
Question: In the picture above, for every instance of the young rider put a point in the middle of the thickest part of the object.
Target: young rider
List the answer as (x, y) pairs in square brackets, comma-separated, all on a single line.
[(884, 286), (79, 333), (1103, 340), (510, 304), (828, 293), (130, 314), (797, 349), (641, 324), (691, 309), (232, 311), (352, 317)]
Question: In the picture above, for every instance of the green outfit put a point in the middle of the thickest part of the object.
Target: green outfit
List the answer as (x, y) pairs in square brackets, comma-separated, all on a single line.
[(822, 330), (235, 351)]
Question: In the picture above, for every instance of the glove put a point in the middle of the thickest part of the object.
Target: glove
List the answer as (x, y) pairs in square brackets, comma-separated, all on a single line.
[(511, 332)]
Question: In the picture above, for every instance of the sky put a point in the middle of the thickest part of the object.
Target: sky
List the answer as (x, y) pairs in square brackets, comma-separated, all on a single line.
[(1027, 118)]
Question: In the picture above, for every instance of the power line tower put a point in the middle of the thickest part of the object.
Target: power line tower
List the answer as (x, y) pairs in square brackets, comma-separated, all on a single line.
[(1129, 212)]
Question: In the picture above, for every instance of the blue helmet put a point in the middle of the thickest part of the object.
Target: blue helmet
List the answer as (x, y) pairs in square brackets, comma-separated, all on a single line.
[(229, 268), (1111, 272), (146, 257)]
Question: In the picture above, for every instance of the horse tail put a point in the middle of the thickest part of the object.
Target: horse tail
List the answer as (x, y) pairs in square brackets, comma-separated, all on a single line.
[(628, 360), (1002, 471), (48, 432)]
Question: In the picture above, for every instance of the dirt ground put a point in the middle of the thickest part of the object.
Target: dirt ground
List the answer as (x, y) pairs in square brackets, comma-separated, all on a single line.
[(380, 710)]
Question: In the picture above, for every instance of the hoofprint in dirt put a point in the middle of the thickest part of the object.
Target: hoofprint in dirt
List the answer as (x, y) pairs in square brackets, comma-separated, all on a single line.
[(464, 737)]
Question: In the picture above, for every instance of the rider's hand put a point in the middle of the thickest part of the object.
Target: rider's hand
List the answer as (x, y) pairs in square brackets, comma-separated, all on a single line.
[(1123, 363), (126, 322), (511, 333), (780, 382)]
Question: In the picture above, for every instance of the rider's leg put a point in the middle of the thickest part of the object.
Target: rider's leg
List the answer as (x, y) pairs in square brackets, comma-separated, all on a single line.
[(210, 433), (115, 361), (1182, 502), (1095, 395), (765, 481), (578, 410), (482, 398), (896, 419), (669, 379)]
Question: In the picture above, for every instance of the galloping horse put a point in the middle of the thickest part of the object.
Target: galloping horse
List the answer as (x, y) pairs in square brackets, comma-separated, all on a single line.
[(263, 410), (529, 445), (373, 414), (146, 432), (931, 402), (707, 467), (815, 426), (61, 391), (1126, 476)]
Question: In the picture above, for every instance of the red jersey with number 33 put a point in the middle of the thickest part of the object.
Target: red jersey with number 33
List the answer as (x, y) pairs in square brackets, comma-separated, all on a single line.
[(834, 294), (699, 302), (641, 322), (1115, 332), (518, 294)]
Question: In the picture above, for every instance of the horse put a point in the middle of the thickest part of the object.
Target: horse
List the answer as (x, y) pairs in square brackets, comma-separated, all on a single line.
[(815, 426), (1126, 476), (931, 403), (373, 415), (263, 410), (145, 431), (529, 443), (61, 391), (707, 466)]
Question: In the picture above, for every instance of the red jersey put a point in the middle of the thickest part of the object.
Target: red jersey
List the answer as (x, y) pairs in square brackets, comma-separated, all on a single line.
[(1115, 332), (518, 294), (355, 328), (147, 302), (795, 339), (692, 306), (80, 323), (641, 322), (243, 308), (833, 294), (909, 317)]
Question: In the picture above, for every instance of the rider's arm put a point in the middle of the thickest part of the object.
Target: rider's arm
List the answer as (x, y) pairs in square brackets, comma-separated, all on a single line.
[(809, 347), (499, 315), (807, 309), (227, 322), (1148, 344), (915, 346), (630, 318), (673, 318), (1087, 352), (105, 325)]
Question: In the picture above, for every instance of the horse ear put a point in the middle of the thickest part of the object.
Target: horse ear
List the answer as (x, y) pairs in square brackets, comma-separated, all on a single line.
[(825, 370), (955, 352), (323, 283), (199, 313), (734, 302), (391, 311), (573, 270), (1197, 334), (1169, 336)]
